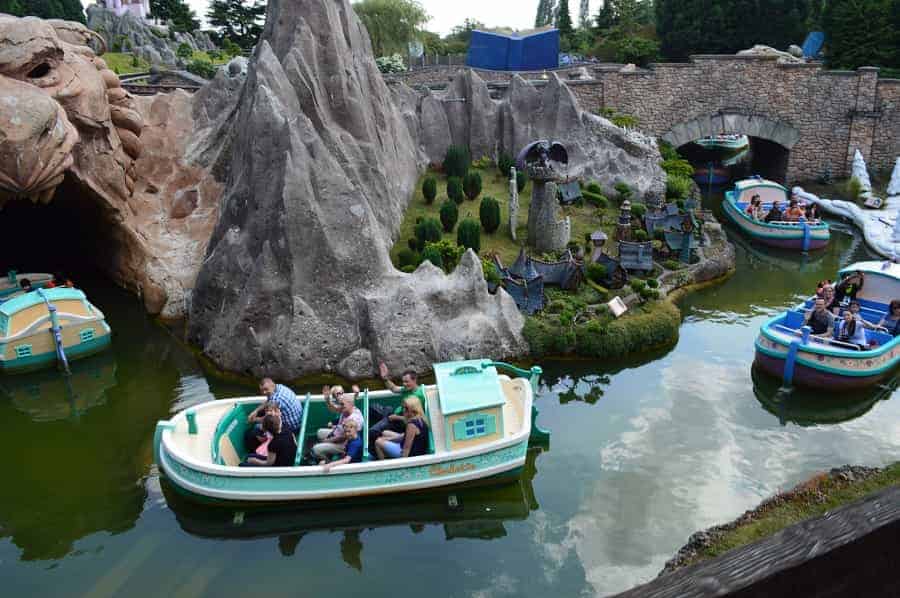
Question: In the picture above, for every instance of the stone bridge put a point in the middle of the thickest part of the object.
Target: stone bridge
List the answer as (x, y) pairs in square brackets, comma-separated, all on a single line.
[(819, 116)]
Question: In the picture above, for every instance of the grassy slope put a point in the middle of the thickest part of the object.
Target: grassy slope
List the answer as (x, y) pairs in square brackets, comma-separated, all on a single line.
[(121, 63), (585, 219), (811, 499)]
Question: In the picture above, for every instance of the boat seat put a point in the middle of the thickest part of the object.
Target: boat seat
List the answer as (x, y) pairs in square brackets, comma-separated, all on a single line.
[(878, 337), (794, 319), (227, 452)]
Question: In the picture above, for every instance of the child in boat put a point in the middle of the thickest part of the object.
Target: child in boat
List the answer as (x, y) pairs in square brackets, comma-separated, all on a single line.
[(282, 448), (413, 442), (353, 447), (855, 309)]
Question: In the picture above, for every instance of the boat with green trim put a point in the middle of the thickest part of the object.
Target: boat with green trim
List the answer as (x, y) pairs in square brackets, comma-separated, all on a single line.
[(729, 141), (480, 423), (802, 235), (11, 285), (49, 326), (786, 349)]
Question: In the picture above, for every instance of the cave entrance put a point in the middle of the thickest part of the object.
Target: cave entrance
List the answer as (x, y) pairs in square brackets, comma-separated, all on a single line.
[(72, 235), (717, 168)]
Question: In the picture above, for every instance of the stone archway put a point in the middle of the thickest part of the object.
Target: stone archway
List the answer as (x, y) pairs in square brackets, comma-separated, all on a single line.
[(751, 125)]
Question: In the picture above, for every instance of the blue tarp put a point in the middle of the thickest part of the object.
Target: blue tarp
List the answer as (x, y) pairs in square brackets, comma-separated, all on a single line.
[(812, 47), (497, 52)]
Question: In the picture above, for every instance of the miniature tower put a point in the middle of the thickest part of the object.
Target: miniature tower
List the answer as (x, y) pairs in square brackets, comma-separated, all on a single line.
[(513, 203), (545, 231), (623, 226), (598, 239)]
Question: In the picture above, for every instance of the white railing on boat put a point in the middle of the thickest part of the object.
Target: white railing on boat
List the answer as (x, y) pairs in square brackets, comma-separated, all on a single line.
[(817, 339)]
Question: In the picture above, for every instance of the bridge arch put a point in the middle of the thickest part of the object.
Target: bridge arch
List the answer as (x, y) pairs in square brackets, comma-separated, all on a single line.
[(751, 125)]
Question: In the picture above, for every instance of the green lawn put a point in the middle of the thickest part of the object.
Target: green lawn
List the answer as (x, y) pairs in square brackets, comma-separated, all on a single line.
[(203, 55), (812, 499), (122, 63), (585, 219)]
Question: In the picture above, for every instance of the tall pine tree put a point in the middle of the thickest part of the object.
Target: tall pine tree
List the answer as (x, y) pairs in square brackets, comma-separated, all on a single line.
[(240, 21), (584, 14), (859, 33), (564, 25), (176, 12), (69, 10), (545, 12)]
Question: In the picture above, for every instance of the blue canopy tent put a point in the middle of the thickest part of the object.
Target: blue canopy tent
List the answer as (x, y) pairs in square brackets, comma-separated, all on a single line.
[(493, 51)]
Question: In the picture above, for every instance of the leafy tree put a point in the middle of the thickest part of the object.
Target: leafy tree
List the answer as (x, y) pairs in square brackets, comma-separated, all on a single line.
[(240, 21), (449, 215), (456, 161), (564, 25), (427, 231), (859, 33), (184, 51), (489, 214), (472, 185), (429, 189), (455, 189), (70, 10), (584, 14), (463, 33), (175, 12), (468, 234), (545, 10), (392, 24)]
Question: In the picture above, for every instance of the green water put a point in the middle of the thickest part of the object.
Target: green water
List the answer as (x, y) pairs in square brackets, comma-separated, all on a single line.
[(643, 454)]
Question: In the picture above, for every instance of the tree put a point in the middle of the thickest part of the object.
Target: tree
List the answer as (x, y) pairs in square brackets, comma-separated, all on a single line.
[(545, 11), (859, 33), (184, 51), (584, 14), (240, 21), (70, 10), (564, 25), (391, 24), (463, 33), (175, 12)]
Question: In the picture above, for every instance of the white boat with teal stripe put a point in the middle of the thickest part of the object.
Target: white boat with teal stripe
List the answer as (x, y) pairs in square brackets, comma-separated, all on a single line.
[(480, 423)]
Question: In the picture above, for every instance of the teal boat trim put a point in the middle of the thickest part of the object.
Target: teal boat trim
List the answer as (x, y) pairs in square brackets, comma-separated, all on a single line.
[(738, 217), (33, 362), (826, 350)]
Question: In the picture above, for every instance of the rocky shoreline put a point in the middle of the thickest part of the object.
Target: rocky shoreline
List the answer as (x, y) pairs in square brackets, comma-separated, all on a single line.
[(809, 491)]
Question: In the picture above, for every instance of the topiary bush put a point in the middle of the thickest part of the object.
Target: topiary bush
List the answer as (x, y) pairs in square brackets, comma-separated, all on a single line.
[(596, 273), (667, 151), (472, 185), (640, 235), (468, 234), (484, 162), (455, 189), (433, 255), (449, 215), (428, 230), (521, 181), (595, 199), (504, 163), (652, 283), (637, 285), (456, 161), (489, 214), (678, 167), (594, 187), (659, 234), (648, 294), (202, 68), (638, 210), (449, 253), (429, 189), (491, 276), (672, 265), (546, 337), (408, 257), (677, 186), (184, 51), (623, 190)]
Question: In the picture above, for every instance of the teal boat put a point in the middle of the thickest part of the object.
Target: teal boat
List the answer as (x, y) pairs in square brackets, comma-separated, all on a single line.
[(480, 423), (786, 349), (800, 236), (47, 327), (11, 285), (724, 141)]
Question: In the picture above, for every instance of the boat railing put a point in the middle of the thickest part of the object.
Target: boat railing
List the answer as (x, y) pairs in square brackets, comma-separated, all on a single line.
[(301, 436), (816, 339), (365, 432)]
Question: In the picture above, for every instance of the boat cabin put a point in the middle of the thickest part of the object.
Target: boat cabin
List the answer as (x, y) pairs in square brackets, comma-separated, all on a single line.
[(881, 286), (768, 191), (10, 285), (471, 401)]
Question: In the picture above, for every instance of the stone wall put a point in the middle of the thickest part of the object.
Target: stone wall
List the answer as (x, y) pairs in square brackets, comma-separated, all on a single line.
[(442, 75), (820, 116)]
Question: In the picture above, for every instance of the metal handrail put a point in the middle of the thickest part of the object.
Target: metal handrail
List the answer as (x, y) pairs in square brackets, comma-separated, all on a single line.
[(817, 339)]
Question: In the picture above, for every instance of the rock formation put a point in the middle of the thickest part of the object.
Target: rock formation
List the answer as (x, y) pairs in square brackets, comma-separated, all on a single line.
[(135, 35), (546, 232), (146, 163), (465, 114), (859, 172), (513, 208), (761, 50), (297, 278), (893, 188)]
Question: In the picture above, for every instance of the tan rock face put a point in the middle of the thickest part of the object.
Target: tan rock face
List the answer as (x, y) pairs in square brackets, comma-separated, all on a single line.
[(64, 113)]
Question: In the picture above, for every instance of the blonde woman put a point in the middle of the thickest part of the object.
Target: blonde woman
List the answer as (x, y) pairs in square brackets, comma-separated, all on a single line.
[(331, 439), (413, 441)]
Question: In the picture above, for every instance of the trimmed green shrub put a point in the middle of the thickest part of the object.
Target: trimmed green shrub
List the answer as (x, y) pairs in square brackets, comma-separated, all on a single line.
[(594, 187), (678, 167), (449, 215), (472, 185), (639, 210), (408, 257), (659, 234), (637, 285), (672, 265), (429, 189), (640, 235), (595, 199), (623, 190), (449, 253), (409, 269), (652, 283), (456, 161), (412, 243), (489, 214), (202, 68), (637, 331), (427, 231), (521, 181), (455, 189), (468, 234), (677, 186), (231, 48), (504, 163), (667, 151), (491, 276), (484, 162), (596, 273), (647, 294), (433, 255), (184, 51), (546, 338)]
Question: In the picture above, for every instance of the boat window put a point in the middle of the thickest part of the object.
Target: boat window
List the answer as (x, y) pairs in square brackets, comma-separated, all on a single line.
[(474, 426), (86, 335), (23, 350)]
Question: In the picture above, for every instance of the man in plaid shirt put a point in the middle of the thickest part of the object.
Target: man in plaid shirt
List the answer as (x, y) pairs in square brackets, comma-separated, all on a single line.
[(291, 407)]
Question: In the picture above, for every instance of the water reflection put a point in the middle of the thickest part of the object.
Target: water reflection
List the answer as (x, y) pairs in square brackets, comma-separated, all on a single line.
[(805, 407), (473, 512)]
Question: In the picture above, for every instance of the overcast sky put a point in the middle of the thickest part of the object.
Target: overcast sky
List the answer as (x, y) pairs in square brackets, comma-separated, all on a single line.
[(446, 14)]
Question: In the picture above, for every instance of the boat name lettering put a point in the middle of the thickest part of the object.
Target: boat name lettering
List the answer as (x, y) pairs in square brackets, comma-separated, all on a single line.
[(436, 470)]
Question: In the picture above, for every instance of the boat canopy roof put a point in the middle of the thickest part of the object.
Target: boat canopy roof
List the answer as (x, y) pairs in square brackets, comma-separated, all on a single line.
[(20, 302), (881, 268), (467, 386), (767, 190), (882, 283)]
